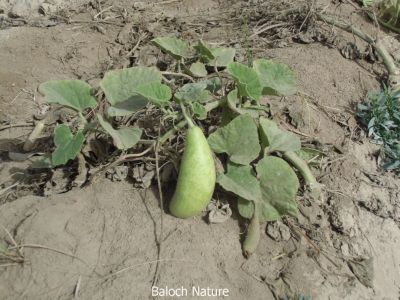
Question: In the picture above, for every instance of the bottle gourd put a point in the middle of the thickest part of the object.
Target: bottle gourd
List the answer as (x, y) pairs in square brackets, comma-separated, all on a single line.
[(196, 179)]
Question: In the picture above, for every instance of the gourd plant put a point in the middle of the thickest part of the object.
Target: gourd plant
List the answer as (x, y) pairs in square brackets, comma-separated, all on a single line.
[(262, 161)]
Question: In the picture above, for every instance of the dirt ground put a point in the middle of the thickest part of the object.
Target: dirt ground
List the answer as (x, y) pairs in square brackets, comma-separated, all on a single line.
[(102, 238)]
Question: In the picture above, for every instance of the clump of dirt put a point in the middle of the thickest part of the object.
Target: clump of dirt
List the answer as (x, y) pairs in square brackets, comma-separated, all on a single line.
[(101, 241)]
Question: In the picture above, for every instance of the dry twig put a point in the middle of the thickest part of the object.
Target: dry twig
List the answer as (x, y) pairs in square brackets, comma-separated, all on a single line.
[(160, 237)]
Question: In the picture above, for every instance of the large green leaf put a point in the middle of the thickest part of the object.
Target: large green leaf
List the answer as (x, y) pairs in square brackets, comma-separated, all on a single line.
[(124, 138), (157, 93), (275, 78), (279, 186), (72, 93), (193, 92), (242, 181), (120, 85), (121, 88), (239, 139), (246, 79), (275, 139), (273, 190), (173, 46), (67, 145)]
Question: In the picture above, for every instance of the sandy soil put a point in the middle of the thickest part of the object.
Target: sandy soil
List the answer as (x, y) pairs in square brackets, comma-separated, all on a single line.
[(102, 238)]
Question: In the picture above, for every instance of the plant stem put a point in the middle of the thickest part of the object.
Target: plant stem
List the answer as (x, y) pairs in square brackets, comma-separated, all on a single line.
[(305, 172), (186, 116), (233, 107), (178, 74), (16, 125), (393, 70), (253, 234), (347, 27), (387, 59), (170, 133), (82, 122), (36, 132), (215, 104)]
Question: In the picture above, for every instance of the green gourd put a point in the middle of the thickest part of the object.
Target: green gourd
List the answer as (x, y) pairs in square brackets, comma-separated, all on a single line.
[(196, 179)]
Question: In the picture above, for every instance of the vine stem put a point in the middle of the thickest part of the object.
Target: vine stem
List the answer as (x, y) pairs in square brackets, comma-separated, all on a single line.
[(186, 116), (302, 166), (34, 135), (120, 160), (169, 134), (9, 126), (179, 75), (82, 122), (388, 61)]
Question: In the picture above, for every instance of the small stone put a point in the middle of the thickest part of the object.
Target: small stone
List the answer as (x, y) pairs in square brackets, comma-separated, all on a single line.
[(396, 213), (278, 231), (140, 5), (117, 173), (342, 218), (285, 232), (24, 8), (48, 9), (218, 212), (273, 231), (125, 35), (345, 249), (356, 250)]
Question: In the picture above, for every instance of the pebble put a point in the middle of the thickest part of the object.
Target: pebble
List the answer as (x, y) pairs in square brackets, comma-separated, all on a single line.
[(278, 231)]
